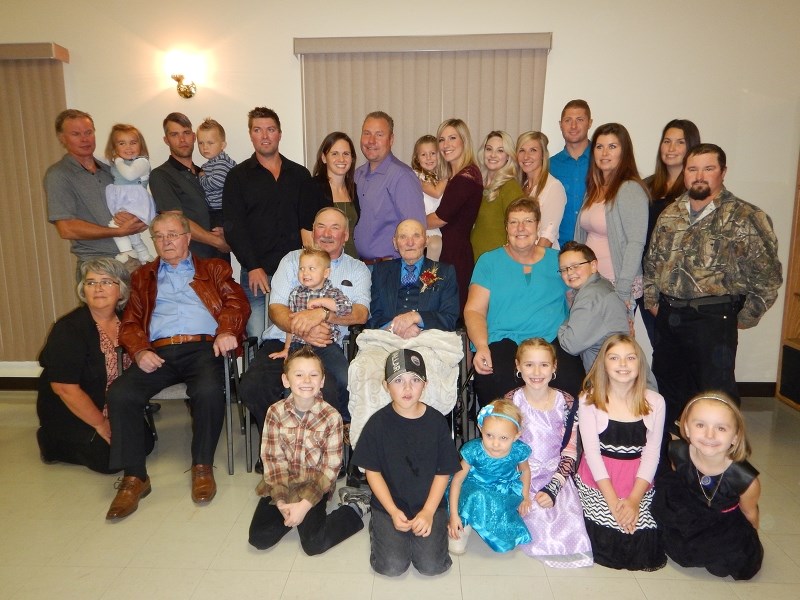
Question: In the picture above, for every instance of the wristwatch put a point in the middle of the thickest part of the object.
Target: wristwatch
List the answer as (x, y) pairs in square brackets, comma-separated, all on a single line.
[(327, 313)]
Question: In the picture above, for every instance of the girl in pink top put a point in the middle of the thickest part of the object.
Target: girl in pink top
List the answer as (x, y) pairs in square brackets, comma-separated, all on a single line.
[(621, 423)]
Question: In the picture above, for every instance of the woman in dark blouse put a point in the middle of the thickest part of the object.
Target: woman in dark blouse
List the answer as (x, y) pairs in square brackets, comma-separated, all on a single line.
[(460, 201), (666, 184), (79, 362), (334, 174)]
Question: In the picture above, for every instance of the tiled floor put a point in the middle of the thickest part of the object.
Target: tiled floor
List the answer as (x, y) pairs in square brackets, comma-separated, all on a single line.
[(55, 543)]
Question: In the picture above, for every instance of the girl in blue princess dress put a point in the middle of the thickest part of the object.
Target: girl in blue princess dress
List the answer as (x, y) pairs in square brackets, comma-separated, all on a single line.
[(491, 493)]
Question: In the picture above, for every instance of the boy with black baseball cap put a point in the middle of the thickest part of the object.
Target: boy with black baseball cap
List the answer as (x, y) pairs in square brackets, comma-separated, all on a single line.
[(409, 457)]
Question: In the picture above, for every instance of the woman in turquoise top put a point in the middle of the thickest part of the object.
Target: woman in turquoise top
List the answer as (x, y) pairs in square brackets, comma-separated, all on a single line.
[(516, 293)]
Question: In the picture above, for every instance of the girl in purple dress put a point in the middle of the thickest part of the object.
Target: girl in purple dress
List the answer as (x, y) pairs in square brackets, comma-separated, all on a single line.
[(550, 428)]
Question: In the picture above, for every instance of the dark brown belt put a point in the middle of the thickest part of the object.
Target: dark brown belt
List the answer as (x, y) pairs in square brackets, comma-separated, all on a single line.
[(373, 261), (696, 302), (181, 339)]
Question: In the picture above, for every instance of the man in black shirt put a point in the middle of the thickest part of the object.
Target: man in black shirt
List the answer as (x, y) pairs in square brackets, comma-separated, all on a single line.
[(266, 202)]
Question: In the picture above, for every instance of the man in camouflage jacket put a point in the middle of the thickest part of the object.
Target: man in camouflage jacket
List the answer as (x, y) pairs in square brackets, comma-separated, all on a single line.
[(712, 268)]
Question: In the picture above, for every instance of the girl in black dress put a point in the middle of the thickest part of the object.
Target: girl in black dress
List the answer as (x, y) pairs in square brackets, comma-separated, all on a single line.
[(707, 508)]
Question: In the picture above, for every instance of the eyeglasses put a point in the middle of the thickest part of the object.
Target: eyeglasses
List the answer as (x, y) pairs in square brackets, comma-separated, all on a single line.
[(571, 268), (160, 238), (103, 283), (517, 222)]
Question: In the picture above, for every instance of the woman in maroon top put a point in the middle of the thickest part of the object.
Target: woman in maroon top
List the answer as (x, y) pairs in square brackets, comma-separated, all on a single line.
[(460, 202)]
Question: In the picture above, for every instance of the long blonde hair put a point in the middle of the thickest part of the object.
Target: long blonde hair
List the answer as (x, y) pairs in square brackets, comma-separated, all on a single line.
[(467, 157), (538, 185), (506, 173), (596, 385)]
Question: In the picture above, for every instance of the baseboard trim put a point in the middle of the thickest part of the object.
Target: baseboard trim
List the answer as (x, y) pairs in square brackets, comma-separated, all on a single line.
[(757, 389), (22, 384)]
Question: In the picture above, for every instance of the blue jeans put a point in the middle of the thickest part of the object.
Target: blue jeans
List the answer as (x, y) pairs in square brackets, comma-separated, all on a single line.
[(393, 551), (257, 322)]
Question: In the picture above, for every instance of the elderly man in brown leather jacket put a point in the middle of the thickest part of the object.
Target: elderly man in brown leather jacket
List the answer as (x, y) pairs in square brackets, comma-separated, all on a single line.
[(183, 315)]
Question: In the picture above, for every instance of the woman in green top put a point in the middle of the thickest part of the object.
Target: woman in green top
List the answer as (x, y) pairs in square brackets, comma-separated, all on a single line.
[(500, 188)]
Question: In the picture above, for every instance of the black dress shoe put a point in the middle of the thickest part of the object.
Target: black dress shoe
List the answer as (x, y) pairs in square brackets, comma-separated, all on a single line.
[(154, 407)]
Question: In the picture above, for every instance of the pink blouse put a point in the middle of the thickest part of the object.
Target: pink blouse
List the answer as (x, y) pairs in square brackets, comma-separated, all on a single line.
[(593, 222)]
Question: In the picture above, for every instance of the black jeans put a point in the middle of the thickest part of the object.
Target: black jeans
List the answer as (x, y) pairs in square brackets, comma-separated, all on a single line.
[(695, 351), (569, 372), (203, 373), (318, 531)]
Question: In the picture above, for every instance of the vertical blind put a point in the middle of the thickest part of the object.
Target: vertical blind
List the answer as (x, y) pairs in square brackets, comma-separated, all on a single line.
[(489, 81), (38, 271)]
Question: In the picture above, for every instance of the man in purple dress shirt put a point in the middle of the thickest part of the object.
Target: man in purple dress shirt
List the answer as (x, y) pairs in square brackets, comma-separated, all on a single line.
[(389, 191)]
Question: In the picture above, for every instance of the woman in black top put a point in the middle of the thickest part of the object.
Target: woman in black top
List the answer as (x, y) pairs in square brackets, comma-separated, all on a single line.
[(79, 362), (666, 184)]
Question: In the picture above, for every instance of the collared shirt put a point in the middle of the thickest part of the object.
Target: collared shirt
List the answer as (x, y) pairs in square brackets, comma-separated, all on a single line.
[(301, 455), (730, 248), (178, 308), (75, 193), (298, 300), (389, 194), (176, 187), (571, 172), (264, 215), (348, 274), (417, 269)]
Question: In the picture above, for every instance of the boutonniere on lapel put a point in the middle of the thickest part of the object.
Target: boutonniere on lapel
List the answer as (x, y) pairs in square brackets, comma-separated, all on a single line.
[(429, 277)]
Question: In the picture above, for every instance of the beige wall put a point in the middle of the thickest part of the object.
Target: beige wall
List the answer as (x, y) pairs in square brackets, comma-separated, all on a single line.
[(731, 66)]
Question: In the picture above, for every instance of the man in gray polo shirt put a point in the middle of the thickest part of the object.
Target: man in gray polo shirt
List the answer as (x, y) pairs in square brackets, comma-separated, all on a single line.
[(76, 193)]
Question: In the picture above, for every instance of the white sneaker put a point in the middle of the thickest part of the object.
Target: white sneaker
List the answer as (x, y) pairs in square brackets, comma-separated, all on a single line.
[(459, 546)]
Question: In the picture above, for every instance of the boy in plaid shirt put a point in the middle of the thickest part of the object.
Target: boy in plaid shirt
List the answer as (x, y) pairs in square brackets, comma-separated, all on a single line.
[(301, 448)]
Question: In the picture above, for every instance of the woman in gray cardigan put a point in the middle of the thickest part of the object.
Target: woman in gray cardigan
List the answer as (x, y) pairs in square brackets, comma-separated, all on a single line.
[(613, 219)]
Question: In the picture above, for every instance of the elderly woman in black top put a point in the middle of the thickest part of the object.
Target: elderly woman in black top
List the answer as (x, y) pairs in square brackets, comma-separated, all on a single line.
[(80, 362)]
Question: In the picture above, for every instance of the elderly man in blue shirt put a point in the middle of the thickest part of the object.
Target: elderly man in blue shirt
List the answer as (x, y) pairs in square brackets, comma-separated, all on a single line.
[(184, 314)]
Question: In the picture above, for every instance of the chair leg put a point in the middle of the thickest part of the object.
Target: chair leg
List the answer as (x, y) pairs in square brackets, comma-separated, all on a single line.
[(248, 441), (229, 411), (148, 414)]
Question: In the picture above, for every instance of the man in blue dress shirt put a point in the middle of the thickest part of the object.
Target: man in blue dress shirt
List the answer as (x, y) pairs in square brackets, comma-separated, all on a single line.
[(184, 314), (571, 165)]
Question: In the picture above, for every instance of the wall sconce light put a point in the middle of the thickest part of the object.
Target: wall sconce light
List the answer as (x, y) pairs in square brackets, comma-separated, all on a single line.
[(185, 90)]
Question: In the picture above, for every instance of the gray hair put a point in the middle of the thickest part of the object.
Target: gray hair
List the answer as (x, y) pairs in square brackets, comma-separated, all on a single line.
[(114, 269), (165, 216)]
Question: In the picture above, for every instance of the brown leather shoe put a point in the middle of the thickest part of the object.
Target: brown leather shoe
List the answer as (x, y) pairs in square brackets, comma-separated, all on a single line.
[(204, 488), (130, 490)]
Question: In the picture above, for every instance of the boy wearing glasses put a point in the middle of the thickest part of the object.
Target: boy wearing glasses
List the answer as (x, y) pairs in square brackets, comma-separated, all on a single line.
[(596, 311)]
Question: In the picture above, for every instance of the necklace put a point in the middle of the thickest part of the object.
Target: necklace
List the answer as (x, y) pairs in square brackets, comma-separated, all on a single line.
[(706, 480)]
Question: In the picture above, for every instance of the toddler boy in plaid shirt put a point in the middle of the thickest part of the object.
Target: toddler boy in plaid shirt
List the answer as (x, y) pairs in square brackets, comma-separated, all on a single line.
[(316, 291)]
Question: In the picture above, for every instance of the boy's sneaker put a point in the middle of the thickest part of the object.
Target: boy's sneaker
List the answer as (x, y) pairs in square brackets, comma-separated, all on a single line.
[(459, 546), (358, 497)]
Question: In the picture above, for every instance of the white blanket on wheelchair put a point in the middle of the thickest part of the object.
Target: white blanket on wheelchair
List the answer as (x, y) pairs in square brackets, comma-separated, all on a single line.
[(442, 352)]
